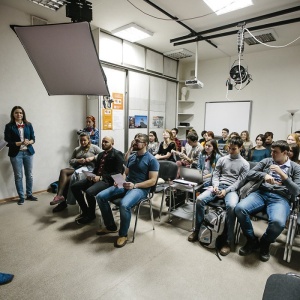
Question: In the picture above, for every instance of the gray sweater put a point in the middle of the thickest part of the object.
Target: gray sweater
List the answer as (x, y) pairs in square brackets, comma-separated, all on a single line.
[(231, 171), (290, 187)]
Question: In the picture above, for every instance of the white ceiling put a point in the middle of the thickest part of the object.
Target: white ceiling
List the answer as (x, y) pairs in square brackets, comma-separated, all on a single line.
[(110, 14)]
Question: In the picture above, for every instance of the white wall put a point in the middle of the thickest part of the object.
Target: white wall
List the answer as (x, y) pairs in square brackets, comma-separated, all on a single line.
[(55, 119), (274, 89)]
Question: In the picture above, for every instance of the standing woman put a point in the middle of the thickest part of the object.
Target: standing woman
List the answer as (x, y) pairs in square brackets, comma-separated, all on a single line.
[(19, 136), (166, 147), (91, 130)]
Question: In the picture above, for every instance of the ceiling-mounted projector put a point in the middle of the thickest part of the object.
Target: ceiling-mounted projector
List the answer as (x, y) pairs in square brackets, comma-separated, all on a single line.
[(194, 84)]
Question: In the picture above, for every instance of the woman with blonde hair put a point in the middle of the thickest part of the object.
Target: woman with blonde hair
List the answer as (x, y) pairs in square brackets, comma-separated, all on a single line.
[(246, 141), (166, 147)]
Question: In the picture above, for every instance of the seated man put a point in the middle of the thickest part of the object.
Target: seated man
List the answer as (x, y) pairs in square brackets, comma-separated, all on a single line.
[(280, 186), (225, 133), (109, 161), (141, 174), (228, 176)]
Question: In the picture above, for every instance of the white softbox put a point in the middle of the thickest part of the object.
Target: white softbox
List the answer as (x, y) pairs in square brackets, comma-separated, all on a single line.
[(65, 57)]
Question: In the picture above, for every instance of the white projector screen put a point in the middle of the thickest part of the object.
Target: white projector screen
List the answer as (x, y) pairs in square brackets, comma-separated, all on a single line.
[(65, 57), (234, 115)]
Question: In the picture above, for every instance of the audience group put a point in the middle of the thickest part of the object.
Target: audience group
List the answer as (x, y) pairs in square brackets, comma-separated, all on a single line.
[(224, 164)]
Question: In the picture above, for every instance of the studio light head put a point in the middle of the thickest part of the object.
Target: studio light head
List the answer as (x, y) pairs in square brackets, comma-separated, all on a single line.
[(239, 74), (79, 10)]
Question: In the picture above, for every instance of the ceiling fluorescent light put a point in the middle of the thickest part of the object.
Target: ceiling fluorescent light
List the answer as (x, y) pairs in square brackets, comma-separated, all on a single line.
[(51, 4), (132, 32), (226, 6)]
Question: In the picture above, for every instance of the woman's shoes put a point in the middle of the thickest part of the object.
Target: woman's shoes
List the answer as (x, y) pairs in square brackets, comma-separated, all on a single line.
[(57, 199), (61, 206)]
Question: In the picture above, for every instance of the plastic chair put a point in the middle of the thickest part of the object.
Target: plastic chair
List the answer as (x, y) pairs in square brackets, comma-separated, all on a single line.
[(148, 199), (167, 172), (282, 286)]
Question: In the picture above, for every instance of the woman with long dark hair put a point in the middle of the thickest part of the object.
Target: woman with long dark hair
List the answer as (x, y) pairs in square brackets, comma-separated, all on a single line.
[(208, 159), (259, 152), (19, 135), (153, 143)]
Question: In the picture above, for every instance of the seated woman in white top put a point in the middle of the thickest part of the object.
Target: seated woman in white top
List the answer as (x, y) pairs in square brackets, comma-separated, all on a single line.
[(153, 143)]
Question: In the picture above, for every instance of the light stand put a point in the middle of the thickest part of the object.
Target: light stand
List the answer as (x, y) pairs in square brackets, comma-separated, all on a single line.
[(292, 112)]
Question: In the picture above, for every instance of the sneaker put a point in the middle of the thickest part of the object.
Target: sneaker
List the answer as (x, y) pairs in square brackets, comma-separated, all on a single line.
[(31, 198), (264, 252), (106, 230), (85, 220), (193, 237), (250, 246), (21, 202), (121, 241), (61, 206), (225, 250), (57, 199)]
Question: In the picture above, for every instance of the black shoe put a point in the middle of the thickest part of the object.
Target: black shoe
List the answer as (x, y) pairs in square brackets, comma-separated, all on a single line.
[(264, 253), (193, 237), (115, 208), (250, 246), (21, 202), (85, 220), (61, 206), (31, 198)]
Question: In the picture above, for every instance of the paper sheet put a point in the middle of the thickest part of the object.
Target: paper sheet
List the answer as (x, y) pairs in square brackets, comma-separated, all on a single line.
[(119, 179)]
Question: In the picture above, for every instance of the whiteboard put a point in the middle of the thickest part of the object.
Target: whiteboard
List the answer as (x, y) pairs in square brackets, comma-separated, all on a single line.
[(234, 115)]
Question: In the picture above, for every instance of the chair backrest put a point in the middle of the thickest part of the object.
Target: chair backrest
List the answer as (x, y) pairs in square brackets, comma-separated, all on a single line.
[(190, 174), (167, 170)]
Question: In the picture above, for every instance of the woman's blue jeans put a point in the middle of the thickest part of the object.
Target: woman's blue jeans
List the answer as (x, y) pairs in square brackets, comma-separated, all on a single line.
[(129, 199), (23, 158), (231, 199), (277, 208)]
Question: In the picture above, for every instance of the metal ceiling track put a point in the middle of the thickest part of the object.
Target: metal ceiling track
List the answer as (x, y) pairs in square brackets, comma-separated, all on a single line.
[(199, 35), (193, 32)]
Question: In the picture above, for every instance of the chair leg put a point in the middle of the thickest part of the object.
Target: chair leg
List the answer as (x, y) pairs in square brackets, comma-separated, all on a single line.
[(288, 237), (237, 232), (161, 205), (290, 246), (151, 213), (136, 219)]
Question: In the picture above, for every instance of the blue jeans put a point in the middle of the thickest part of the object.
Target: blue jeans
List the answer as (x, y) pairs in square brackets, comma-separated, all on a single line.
[(231, 199), (23, 158), (130, 199), (277, 208)]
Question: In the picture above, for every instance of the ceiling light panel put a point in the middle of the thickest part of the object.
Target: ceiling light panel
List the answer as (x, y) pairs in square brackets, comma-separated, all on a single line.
[(225, 6), (51, 4), (132, 32)]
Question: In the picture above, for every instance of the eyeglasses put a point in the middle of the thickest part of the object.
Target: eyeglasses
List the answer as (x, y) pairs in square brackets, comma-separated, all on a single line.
[(139, 141)]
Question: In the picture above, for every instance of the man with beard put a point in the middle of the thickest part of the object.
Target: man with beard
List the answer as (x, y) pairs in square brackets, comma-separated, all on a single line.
[(108, 162), (228, 176), (140, 174)]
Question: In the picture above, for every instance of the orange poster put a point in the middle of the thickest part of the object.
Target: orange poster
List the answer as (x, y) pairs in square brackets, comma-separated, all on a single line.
[(118, 101), (107, 115)]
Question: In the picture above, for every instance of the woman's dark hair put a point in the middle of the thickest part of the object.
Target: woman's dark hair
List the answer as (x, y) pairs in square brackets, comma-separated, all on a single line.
[(262, 136), (214, 152), (12, 118), (155, 136), (295, 149), (203, 132)]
